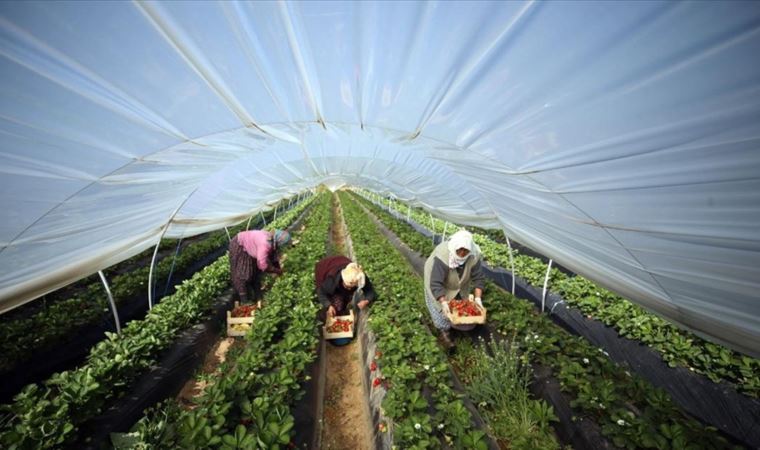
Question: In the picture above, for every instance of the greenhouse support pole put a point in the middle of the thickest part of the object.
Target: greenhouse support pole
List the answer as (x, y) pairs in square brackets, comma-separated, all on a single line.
[(275, 212), (171, 271), (445, 226), (110, 300), (249, 223), (511, 261), (546, 281), (408, 212), (262, 218), (229, 238), (432, 226), (155, 253)]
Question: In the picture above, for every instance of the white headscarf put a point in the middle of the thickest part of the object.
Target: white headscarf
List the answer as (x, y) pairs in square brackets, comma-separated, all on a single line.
[(353, 276), (460, 239)]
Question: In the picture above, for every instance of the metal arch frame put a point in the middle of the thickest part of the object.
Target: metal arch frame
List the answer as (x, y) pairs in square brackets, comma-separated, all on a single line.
[(546, 281), (111, 301), (158, 244), (511, 260)]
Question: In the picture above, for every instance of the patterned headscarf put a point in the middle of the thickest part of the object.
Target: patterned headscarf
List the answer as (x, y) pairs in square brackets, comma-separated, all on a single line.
[(353, 276), (280, 238)]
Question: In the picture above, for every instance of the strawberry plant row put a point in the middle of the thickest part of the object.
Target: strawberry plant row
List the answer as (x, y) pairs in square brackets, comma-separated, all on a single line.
[(410, 360), (250, 403), (22, 338), (630, 411), (500, 390), (677, 347), (48, 415)]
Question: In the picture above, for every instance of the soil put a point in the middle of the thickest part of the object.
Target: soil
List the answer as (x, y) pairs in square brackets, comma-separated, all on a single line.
[(337, 233), (345, 421), (195, 386), (346, 425)]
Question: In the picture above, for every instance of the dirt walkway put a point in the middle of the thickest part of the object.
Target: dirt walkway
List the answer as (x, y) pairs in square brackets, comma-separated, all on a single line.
[(345, 421), (195, 386), (337, 229)]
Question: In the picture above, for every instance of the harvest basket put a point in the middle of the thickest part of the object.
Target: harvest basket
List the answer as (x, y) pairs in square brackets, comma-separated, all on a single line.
[(239, 326), (339, 334), (456, 319)]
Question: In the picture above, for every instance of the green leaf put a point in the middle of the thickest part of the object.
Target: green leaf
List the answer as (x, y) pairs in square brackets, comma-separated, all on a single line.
[(230, 440)]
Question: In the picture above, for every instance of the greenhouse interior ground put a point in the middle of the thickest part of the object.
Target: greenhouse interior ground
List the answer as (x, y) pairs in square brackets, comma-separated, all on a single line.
[(578, 182)]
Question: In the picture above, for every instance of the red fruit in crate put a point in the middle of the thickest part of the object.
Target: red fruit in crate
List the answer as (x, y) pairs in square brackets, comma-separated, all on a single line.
[(464, 308)]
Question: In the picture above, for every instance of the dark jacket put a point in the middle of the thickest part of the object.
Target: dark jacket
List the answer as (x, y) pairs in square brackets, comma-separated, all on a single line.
[(330, 289)]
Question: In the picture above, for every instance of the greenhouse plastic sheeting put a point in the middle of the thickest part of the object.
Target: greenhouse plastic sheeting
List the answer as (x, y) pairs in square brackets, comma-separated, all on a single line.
[(620, 139)]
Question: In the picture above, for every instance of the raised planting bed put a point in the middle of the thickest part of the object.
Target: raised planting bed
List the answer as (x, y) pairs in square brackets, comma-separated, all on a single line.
[(253, 402), (627, 389), (163, 380), (74, 325), (411, 373), (76, 308), (677, 347), (48, 416)]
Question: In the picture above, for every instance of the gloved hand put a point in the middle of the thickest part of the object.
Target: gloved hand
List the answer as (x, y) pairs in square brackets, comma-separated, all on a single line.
[(479, 301), (445, 307)]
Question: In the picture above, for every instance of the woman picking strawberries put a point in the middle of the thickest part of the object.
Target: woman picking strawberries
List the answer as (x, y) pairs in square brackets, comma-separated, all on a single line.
[(450, 272), (251, 253), (339, 283)]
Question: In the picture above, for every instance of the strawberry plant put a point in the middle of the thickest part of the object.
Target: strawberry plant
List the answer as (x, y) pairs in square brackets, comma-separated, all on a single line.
[(677, 347), (21, 337), (260, 387), (69, 398), (411, 360), (630, 411)]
